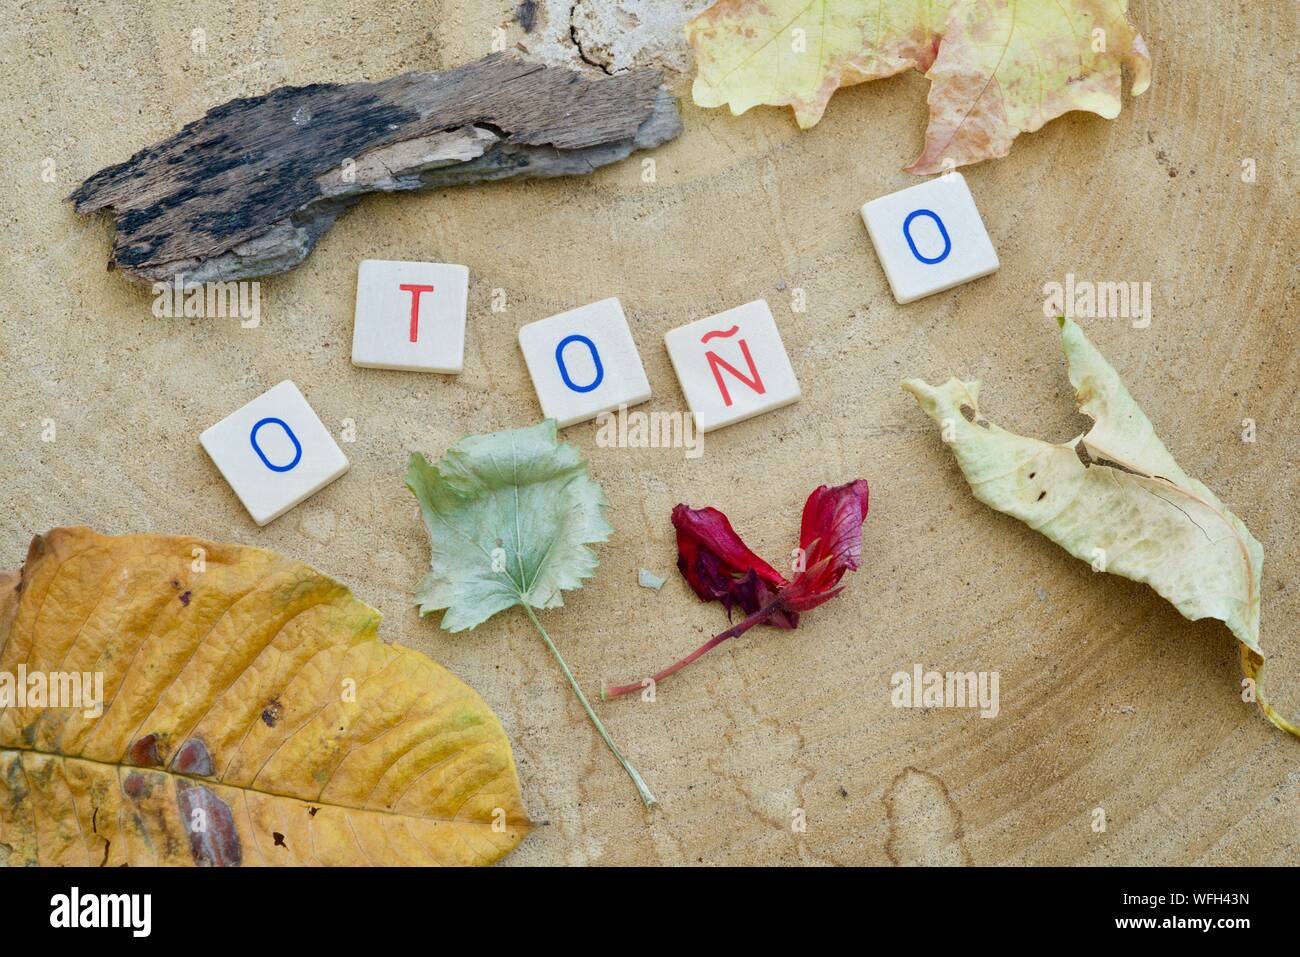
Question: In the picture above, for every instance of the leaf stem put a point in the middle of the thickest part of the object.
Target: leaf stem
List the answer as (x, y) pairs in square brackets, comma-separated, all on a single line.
[(763, 614), (1252, 666), (646, 795)]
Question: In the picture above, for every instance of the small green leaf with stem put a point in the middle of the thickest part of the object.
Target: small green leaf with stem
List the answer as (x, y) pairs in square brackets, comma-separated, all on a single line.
[(510, 516)]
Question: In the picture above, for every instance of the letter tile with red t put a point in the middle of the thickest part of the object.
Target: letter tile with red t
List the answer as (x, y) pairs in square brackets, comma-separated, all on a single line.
[(732, 366), (410, 316)]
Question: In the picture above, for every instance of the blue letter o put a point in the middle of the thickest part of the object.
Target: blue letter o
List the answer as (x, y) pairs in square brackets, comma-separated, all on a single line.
[(595, 357), (297, 446), (907, 234)]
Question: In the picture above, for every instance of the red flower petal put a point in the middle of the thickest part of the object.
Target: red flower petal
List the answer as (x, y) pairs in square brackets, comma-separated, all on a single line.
[(720, 567), (831, 537), (716, 563)]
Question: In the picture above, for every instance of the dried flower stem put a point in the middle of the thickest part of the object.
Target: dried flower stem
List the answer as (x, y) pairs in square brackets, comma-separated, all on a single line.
[(758, 617)]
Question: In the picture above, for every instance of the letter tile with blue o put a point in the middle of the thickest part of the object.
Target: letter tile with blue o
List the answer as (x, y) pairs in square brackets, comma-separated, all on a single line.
[(584, 362), (275, 452), (930, 237)]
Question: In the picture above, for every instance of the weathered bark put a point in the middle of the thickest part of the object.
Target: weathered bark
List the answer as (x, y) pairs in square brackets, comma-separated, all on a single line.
[(248, 189)]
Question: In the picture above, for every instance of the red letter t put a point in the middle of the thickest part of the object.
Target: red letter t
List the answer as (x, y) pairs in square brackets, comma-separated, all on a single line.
[(415, 306)]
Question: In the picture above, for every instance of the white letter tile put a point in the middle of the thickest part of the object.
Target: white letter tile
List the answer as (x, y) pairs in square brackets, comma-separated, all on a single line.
[(929, 237), (274, 452), (584, 362), (410, 316), (732, 366)]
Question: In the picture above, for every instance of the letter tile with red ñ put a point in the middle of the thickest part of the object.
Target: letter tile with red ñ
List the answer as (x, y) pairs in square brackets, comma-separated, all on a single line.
[(732, 366)]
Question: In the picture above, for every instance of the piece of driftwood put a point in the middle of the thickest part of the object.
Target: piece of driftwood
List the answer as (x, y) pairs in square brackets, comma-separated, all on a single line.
[(247, 190)]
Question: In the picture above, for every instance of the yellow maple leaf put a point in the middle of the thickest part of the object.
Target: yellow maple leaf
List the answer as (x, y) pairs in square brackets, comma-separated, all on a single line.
[(247, 714), (997, 67)]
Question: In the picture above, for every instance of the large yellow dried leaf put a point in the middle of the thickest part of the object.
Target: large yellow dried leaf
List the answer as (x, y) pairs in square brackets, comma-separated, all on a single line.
[(251, 716), (997, 68)]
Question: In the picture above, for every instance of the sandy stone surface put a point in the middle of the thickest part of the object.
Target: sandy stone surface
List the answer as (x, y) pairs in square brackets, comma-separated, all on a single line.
[(1109, 699)]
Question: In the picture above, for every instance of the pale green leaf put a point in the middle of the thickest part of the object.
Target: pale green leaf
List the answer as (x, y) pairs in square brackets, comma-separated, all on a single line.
[(509, 515), (1131, 510), (1113, 497)]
